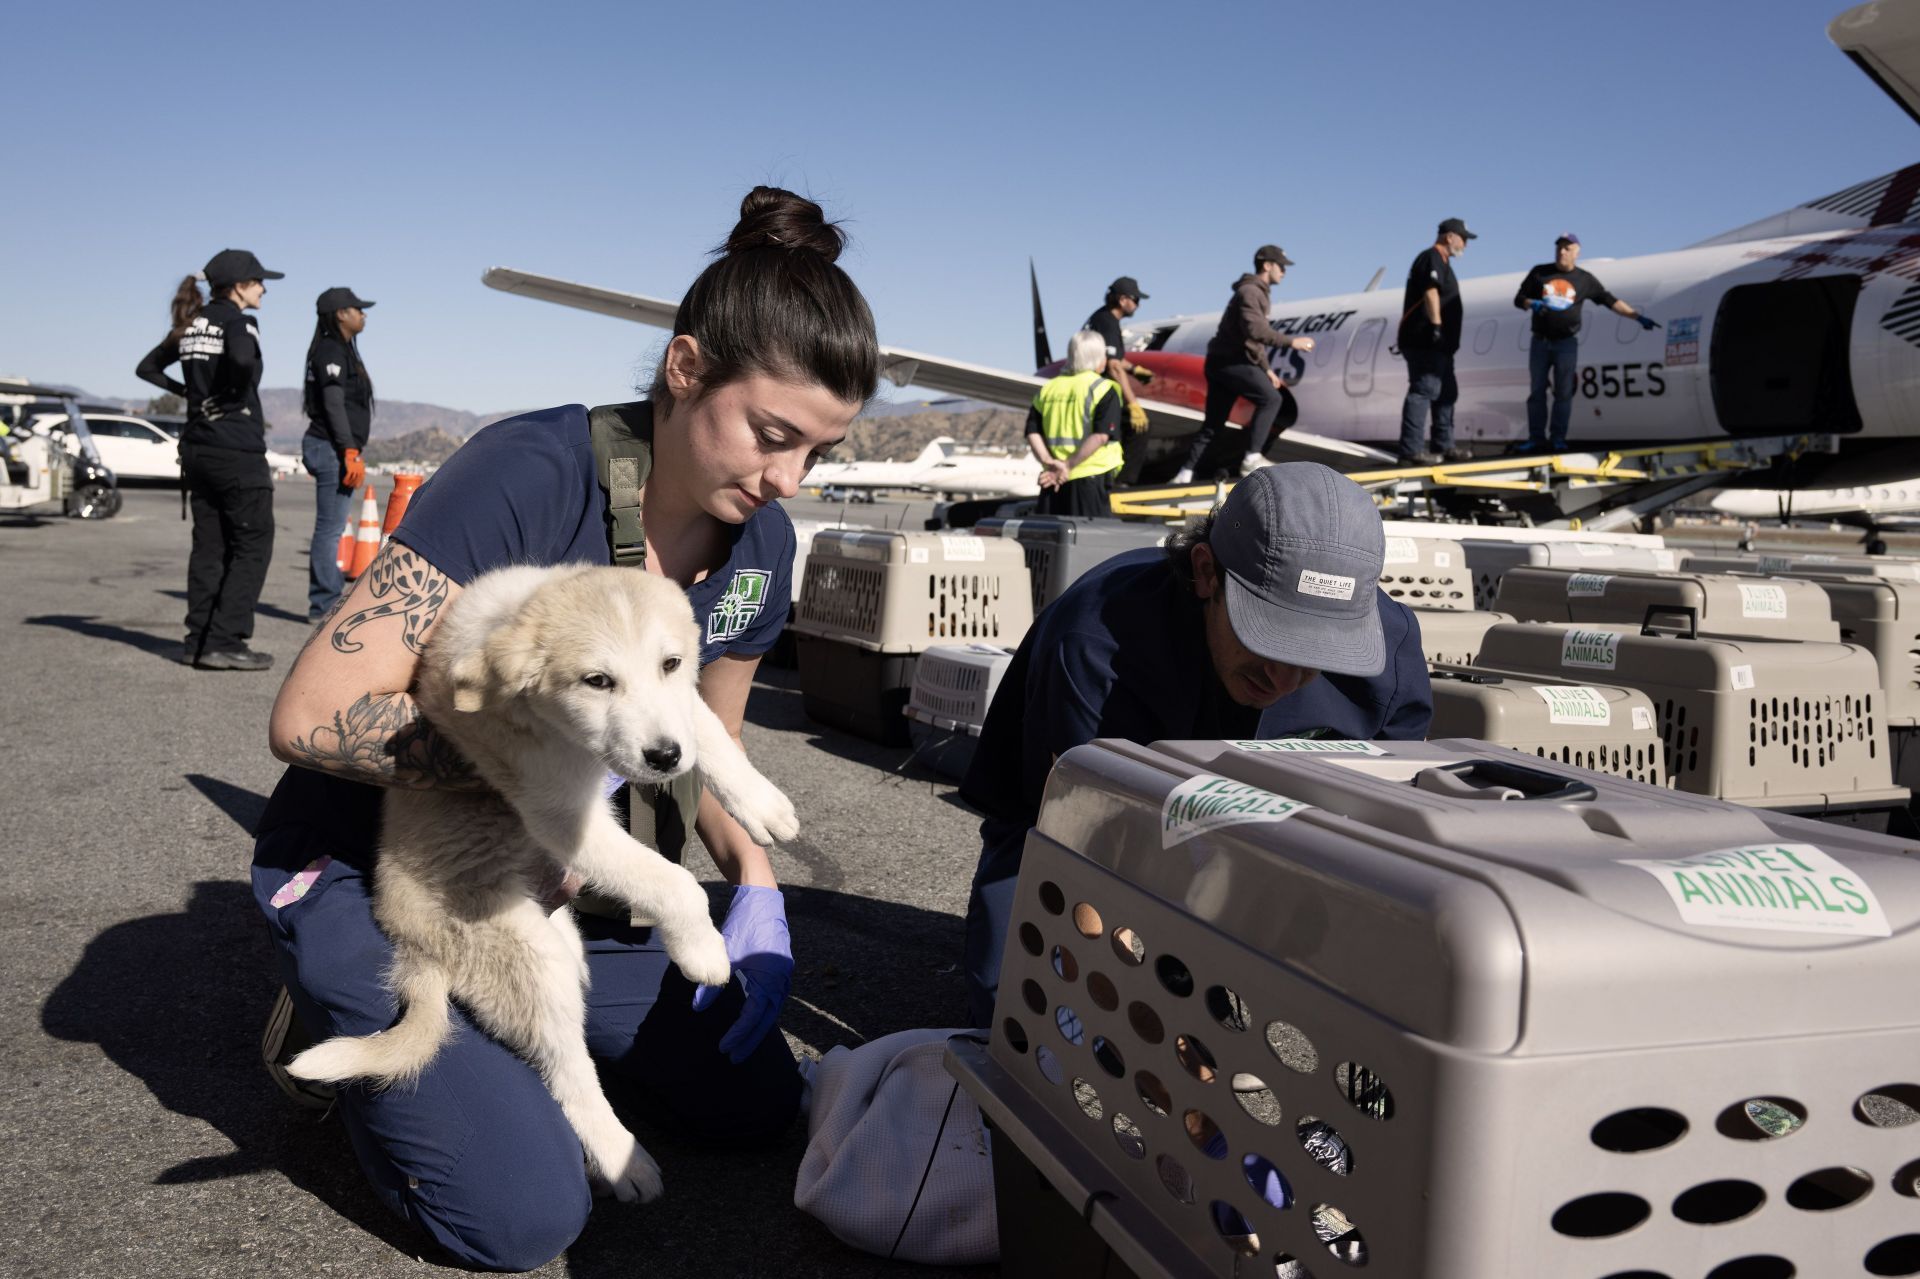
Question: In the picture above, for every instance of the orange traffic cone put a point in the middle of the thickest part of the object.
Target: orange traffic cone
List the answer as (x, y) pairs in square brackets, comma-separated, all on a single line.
[(366, 539), (344, 556), (403, 486)]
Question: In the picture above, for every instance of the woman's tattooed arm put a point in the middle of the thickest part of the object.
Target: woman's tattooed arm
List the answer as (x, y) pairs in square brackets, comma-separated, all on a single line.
[(375, 634)]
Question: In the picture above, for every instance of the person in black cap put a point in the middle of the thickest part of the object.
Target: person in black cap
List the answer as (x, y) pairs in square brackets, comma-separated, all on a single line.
[(223, 456), (1123, 299), (1238, 366), (1555, 291), (1262, 619), (1429, 336), (339, 403)]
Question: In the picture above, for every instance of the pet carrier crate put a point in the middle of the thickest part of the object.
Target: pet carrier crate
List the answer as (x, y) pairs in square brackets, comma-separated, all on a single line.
[(1599, 726), (1059, 548), (1425, 1010), (953, 685), (1720, 604)]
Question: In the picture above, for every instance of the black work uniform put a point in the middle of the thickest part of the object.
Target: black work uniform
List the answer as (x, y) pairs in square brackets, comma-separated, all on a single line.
[(1133, 444), (223, 461)]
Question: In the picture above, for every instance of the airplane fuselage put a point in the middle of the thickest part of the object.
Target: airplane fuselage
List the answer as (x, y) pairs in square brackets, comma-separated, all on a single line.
[(1817, 332)]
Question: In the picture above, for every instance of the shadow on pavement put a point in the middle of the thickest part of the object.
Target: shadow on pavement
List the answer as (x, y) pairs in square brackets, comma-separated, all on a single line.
[(239, 803), (262, 610), (194, 1042), (94, 629)]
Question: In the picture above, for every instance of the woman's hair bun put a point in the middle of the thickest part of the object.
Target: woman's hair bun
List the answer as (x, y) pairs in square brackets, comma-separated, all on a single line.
[(774, 218)]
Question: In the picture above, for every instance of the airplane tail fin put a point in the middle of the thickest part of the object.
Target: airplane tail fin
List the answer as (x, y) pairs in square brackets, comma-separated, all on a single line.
[(1042, 351), (936, 451)]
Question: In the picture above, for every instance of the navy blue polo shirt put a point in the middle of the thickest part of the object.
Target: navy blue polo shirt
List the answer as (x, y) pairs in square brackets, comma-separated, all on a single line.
[(522, 491), (1123, 653)]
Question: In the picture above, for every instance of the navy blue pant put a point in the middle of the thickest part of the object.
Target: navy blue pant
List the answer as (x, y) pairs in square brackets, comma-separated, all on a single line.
[(1561, 357), (330, 507), (1431, 392), (989, 909), (477, 1154), (1227, 383)]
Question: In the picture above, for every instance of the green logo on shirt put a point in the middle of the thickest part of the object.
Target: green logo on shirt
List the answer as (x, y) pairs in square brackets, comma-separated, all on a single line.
[(734, 612)]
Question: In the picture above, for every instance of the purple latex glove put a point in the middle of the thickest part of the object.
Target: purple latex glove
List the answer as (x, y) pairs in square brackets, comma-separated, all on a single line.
[(762, 954)]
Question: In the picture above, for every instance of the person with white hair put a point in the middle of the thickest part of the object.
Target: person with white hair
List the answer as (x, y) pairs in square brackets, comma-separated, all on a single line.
[(1073, 429)]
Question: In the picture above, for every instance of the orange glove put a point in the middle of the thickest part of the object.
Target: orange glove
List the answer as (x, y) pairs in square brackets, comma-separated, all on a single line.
[(352, 470)]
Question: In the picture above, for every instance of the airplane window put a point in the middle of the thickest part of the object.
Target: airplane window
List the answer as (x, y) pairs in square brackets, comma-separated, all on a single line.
[(1525, 336), (1483, 337), (1323, 350)]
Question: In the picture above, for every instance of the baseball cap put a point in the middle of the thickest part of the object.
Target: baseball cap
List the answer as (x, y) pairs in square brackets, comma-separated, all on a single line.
[(1567, 237), (1127, 287), (1271, 253), (1302, 547), (1458, 227), (231, 266), (339, 299)]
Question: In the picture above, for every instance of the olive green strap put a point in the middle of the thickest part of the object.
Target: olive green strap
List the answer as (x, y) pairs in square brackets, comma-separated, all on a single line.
[(622, 459)]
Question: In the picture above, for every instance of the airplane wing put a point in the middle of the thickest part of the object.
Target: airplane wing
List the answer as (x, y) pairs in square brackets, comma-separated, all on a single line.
[(916, 368), (1884, 41)]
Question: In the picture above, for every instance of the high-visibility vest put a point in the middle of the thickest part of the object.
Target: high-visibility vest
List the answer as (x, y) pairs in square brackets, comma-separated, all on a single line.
[(1066, 405)]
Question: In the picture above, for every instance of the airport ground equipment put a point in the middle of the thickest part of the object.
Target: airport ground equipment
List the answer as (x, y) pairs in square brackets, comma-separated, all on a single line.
[(1060, 548), (872, 601), (1444, 1013), (1781, 725), (1491, 559), (1426, 572), (1717, 604), (1604, 727), (1600, 490), (37, 470), (953, 685), (1452, 636)]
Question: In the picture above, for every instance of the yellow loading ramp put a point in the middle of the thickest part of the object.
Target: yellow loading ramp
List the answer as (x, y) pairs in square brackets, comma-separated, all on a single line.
[(1593, 491)]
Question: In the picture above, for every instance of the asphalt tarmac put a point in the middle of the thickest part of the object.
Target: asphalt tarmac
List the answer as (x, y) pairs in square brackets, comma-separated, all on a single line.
[(143, 1137)]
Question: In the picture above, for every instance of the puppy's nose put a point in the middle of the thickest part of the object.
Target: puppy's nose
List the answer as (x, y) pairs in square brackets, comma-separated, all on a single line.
[(662, 758)]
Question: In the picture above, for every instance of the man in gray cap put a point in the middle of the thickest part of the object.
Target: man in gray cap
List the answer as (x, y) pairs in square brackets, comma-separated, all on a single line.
[(1262, 619)]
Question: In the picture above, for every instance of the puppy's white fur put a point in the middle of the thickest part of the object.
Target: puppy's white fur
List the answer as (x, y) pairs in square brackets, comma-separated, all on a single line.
[(546, 678)]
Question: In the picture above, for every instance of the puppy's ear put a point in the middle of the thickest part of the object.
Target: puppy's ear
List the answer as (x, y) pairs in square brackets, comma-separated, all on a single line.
[(515, 657)]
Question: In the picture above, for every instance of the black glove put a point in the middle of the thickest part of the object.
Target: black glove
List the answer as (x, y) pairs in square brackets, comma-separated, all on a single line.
[(1646, 322), (1438, 333)]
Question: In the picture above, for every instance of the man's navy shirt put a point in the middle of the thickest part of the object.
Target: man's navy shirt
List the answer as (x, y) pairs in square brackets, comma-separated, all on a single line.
[(522, 491), (1123, 653)]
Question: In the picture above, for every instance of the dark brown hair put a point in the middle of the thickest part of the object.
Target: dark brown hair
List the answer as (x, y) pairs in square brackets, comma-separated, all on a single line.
[(185, 306), (776, 302)]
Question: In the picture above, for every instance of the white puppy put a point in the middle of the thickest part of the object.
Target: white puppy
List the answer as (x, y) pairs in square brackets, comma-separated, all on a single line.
[(546, 678)]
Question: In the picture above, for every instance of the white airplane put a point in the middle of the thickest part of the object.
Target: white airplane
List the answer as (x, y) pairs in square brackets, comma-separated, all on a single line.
[(1862, 503), (1807, 321), (942, 467)]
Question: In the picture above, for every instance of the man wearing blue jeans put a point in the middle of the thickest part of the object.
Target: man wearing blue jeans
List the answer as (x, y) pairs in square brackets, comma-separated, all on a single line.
[(1429, 335), (1555, 291)]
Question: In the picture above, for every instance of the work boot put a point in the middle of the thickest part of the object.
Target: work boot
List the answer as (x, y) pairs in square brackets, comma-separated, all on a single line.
[(233, 659), (1252, 462), (1459, 455), (1183, 476), (284, 1039), (1420, 459)]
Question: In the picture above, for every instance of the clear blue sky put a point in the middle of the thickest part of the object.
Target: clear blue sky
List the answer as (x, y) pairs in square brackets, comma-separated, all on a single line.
[(402, 148)]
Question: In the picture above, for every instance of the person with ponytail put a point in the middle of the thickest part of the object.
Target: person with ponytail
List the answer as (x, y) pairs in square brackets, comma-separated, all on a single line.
[(772, 356), (338, 398), (223, 456)]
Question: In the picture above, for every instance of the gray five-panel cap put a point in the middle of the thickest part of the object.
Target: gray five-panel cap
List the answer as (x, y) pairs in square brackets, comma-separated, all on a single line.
[(1302, 547)]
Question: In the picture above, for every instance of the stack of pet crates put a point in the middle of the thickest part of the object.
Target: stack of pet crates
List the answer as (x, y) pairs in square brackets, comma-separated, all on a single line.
[(1060, 548), (873, 601)]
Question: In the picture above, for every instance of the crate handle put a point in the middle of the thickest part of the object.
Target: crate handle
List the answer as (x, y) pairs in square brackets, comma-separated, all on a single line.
[(1531, 783), (1692, 615)]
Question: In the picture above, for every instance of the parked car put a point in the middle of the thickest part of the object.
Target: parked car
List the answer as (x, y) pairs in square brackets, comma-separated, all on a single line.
[(134, 448)]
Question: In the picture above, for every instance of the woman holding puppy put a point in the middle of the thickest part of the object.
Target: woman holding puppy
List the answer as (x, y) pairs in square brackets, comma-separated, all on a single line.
[(773, 354)]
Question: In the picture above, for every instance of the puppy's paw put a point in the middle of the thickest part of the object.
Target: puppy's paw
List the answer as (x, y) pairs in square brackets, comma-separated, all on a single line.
[(636, 1181), (766, 813), (701, 954)]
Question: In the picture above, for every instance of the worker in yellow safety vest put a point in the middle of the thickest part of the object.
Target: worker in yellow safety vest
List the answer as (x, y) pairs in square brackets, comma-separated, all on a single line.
[(1073, 429)]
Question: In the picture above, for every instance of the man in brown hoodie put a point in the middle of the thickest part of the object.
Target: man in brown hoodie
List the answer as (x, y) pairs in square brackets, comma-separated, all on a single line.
[(1237, 363)]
